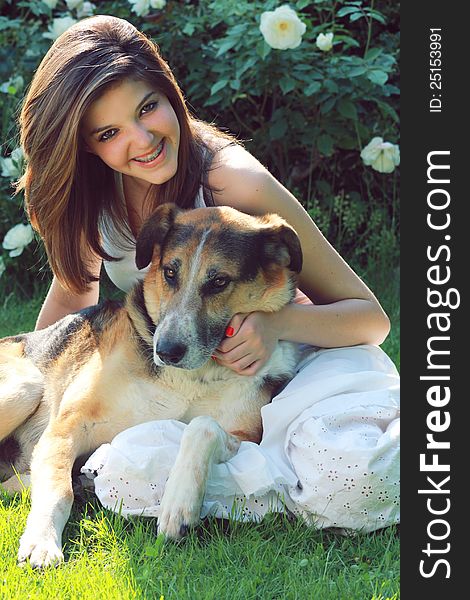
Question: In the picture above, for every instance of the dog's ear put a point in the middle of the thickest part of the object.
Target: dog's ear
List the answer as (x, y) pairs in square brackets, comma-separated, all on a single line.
[(153, 232), (281, 244)]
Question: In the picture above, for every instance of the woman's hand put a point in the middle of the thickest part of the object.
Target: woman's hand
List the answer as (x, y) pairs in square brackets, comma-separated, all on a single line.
[(251, 339)]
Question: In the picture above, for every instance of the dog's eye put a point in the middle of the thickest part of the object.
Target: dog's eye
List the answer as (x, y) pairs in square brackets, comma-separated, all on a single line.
[(215, 284), (170, 274), (220, 282)]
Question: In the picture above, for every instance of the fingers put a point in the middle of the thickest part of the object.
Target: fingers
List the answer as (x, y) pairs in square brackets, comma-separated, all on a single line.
[(244, 349), (245, 358), (231, 340), (252, 369), (245, 366), (238, 365), (235, 323)]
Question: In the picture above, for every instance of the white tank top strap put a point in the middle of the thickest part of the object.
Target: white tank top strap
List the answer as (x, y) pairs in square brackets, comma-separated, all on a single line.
[(199, 201)]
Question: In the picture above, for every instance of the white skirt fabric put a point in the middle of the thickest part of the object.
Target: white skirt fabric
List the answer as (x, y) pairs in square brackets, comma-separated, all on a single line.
[(330, 451)]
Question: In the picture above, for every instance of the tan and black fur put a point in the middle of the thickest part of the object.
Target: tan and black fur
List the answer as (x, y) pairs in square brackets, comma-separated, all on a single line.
[(68, 389)]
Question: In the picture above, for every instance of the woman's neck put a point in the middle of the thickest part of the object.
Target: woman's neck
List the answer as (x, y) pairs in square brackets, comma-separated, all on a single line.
[(136, 193)]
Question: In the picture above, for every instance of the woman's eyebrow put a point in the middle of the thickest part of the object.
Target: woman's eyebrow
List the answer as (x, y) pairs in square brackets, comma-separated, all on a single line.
[(106, 127), (145, 98)]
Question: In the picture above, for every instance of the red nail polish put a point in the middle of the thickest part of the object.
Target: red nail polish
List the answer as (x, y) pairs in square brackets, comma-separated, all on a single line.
[(229, 331)]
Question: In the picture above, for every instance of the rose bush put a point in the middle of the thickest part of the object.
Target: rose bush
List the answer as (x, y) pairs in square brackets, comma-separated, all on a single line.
[(307, 111)]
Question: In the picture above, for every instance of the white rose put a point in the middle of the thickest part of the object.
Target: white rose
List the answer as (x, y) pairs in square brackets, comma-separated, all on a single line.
[(71, 4), (2, 266), (381, 156), (85, 10), (282, 28), (11, 166), (140, 7), (17, 238), (157, 3), (325, 41), (58, 26), (50, 3)]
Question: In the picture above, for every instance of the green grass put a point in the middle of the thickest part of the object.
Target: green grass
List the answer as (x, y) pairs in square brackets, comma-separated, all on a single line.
[(109, 557), (18, 316)]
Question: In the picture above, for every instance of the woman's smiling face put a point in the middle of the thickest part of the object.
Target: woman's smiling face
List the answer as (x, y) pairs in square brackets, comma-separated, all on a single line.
[(134, 130)]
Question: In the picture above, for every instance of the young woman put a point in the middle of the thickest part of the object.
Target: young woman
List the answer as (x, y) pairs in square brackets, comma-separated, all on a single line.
[(108, 137)]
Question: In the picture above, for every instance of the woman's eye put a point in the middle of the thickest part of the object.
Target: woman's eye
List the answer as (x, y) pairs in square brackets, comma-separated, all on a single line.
[(148, 108), (107, 135)]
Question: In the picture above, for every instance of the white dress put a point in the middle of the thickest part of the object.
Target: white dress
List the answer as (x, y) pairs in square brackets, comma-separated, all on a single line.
[(330, 448)]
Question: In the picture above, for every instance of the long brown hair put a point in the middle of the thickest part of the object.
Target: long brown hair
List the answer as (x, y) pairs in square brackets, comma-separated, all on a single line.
[(69, 191)]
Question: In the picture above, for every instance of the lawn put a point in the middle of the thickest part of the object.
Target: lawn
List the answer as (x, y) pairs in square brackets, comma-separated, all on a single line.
[(109, 557)]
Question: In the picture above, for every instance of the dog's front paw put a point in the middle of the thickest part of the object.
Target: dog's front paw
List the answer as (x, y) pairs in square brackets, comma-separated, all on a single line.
[(41, 551), (180, 508)]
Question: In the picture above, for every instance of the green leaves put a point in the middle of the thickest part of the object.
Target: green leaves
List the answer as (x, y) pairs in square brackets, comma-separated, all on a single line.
[(312, 88), (372, 54), (287, 84), (356, 11), (377, 76), (6, 23), (325, 144), (279, 124), (277, 130), (218, 85), (189, 29), (347, 109), (232, 39), (227, 45)]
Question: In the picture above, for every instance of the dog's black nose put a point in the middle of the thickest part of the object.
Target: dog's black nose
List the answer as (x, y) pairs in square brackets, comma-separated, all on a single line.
[(170, 352)]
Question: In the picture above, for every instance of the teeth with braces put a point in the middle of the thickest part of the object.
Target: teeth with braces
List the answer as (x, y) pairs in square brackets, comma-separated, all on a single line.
[(152, 156)]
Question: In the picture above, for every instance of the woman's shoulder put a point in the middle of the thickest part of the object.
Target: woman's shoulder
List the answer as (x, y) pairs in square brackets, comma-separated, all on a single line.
[(237, 178), (233, 159)]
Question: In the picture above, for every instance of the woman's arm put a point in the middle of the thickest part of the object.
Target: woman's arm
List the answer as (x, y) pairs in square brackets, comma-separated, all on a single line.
[(345, 311), (340, 323), (59, 302)]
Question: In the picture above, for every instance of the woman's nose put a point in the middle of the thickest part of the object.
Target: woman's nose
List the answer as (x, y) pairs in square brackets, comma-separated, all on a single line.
[(142, 136)]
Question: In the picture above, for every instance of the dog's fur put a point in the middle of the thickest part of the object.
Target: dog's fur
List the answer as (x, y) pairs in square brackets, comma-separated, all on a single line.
[(68, 389)]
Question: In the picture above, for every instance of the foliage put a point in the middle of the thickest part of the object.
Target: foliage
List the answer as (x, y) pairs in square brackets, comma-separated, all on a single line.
[(304, 112)]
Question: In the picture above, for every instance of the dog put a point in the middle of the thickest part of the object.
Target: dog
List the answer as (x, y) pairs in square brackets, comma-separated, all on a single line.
[(67, 389)]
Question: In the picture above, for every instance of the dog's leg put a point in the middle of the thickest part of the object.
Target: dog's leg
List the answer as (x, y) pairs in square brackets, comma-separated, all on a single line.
[(204, 442), (21, 389), (51, 496)]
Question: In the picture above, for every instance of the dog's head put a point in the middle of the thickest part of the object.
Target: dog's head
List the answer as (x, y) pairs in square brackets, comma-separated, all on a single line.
[(206, 265)]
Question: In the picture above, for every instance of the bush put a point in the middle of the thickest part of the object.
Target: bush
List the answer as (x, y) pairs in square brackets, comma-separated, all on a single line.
[(306, 113)]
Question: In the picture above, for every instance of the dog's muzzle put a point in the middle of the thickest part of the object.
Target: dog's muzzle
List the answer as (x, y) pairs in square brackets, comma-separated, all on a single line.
[(170, 352)]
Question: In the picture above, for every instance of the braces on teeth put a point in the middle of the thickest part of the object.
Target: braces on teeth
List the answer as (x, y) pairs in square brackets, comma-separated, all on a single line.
[(153, 156)]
